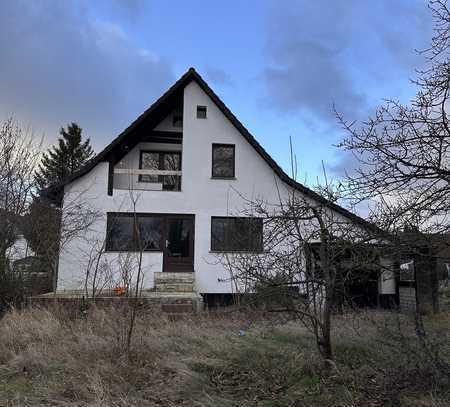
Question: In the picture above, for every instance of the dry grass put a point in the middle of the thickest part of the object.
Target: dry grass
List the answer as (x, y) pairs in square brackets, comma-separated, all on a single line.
[(47, 358)]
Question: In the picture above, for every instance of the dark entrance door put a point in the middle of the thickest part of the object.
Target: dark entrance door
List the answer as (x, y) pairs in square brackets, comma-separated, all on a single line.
[(179, 244)]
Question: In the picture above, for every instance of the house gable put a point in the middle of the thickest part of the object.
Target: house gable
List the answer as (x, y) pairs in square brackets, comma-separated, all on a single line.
[(159, 118)]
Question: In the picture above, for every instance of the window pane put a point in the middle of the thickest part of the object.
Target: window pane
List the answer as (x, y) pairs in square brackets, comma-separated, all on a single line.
[(201, 112), (150, 233), (248, 233), (122, 236), (171, 162), (236, 234), (150, 161), (218, 234), (223, 161), (178, 238), (119, 233)]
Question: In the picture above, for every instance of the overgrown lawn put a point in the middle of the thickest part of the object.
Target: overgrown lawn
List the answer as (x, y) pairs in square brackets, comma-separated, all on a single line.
[(230, 359)]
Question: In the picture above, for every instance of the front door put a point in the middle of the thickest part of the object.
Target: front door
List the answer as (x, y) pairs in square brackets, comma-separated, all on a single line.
[(179, 244)]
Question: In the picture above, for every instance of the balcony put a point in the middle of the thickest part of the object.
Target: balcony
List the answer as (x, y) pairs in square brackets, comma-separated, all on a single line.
[(147, 180), (152, 164)]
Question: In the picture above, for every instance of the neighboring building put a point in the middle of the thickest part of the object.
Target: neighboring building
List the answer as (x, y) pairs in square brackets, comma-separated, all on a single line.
[(443, 259), (193, 165), (19, 250), (422, 264)]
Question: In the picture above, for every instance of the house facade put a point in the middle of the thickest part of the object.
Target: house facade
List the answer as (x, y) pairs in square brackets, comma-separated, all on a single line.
[(184, 171)]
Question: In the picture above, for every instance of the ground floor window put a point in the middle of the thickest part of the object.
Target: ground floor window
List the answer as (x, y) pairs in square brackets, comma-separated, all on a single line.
[(130, 232), (230, 234)]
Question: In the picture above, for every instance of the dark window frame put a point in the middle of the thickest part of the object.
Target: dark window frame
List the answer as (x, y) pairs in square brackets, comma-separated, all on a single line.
[(216, 145), (134, 248), (260, 244), (160, 165), (202, 108)]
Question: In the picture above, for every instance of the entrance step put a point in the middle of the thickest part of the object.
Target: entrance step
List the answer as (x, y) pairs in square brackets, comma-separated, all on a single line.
[(174, 283), (174, 278), (174, 287)]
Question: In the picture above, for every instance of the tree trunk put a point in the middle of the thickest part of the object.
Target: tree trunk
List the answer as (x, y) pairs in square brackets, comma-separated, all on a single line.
[(3, 260), (325, 348), (324, 341)]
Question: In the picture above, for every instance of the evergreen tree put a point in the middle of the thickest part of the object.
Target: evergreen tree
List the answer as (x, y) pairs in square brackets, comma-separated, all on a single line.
[(65, 158)]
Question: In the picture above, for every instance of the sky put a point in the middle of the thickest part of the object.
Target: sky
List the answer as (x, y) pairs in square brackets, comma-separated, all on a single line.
[(279, 65)]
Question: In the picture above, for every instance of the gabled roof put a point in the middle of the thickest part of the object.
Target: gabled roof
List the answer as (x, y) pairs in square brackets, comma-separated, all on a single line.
[(158, 110)]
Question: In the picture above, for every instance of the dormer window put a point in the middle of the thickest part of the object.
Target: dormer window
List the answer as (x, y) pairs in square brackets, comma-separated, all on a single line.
[(201, 112)]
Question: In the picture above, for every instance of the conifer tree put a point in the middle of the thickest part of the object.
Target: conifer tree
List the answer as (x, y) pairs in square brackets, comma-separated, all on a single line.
[(65, 158)]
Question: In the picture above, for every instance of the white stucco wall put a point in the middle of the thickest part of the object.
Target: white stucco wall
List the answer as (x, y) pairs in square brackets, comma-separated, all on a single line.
[(200, 196)]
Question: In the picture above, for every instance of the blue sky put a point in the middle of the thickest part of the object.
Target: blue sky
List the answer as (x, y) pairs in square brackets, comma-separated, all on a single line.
[(278, 65)]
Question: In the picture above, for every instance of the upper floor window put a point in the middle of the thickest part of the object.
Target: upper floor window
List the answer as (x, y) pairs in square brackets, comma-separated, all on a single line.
[(201, 112), (223, 161), (161, 161), (230, 234)]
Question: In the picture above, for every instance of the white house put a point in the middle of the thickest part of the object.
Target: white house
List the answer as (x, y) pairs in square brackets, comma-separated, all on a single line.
[(190, 165)]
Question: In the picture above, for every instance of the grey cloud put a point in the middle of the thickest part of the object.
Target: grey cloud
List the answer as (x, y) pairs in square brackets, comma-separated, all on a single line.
[(58, 64), (346, 164), (341, 52), (310, 79), (217, 75)]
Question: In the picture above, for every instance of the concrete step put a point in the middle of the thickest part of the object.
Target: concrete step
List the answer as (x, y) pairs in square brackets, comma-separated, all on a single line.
[(161, 277), (174, 287)]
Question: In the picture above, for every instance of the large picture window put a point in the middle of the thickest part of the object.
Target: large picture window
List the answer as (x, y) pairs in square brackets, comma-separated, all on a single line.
[(230, 234), (122, 234), (223, 161), (163, 161)]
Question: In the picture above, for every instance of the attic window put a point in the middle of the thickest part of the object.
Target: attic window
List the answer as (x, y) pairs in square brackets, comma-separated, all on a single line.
[(201, 112)]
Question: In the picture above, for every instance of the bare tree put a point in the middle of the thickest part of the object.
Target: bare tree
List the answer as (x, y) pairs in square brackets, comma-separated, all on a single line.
[(403, 152), (403, 155), (137, 289), (403, 159), (304, 257), (99, 270), (19, 155), (51, 226)]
